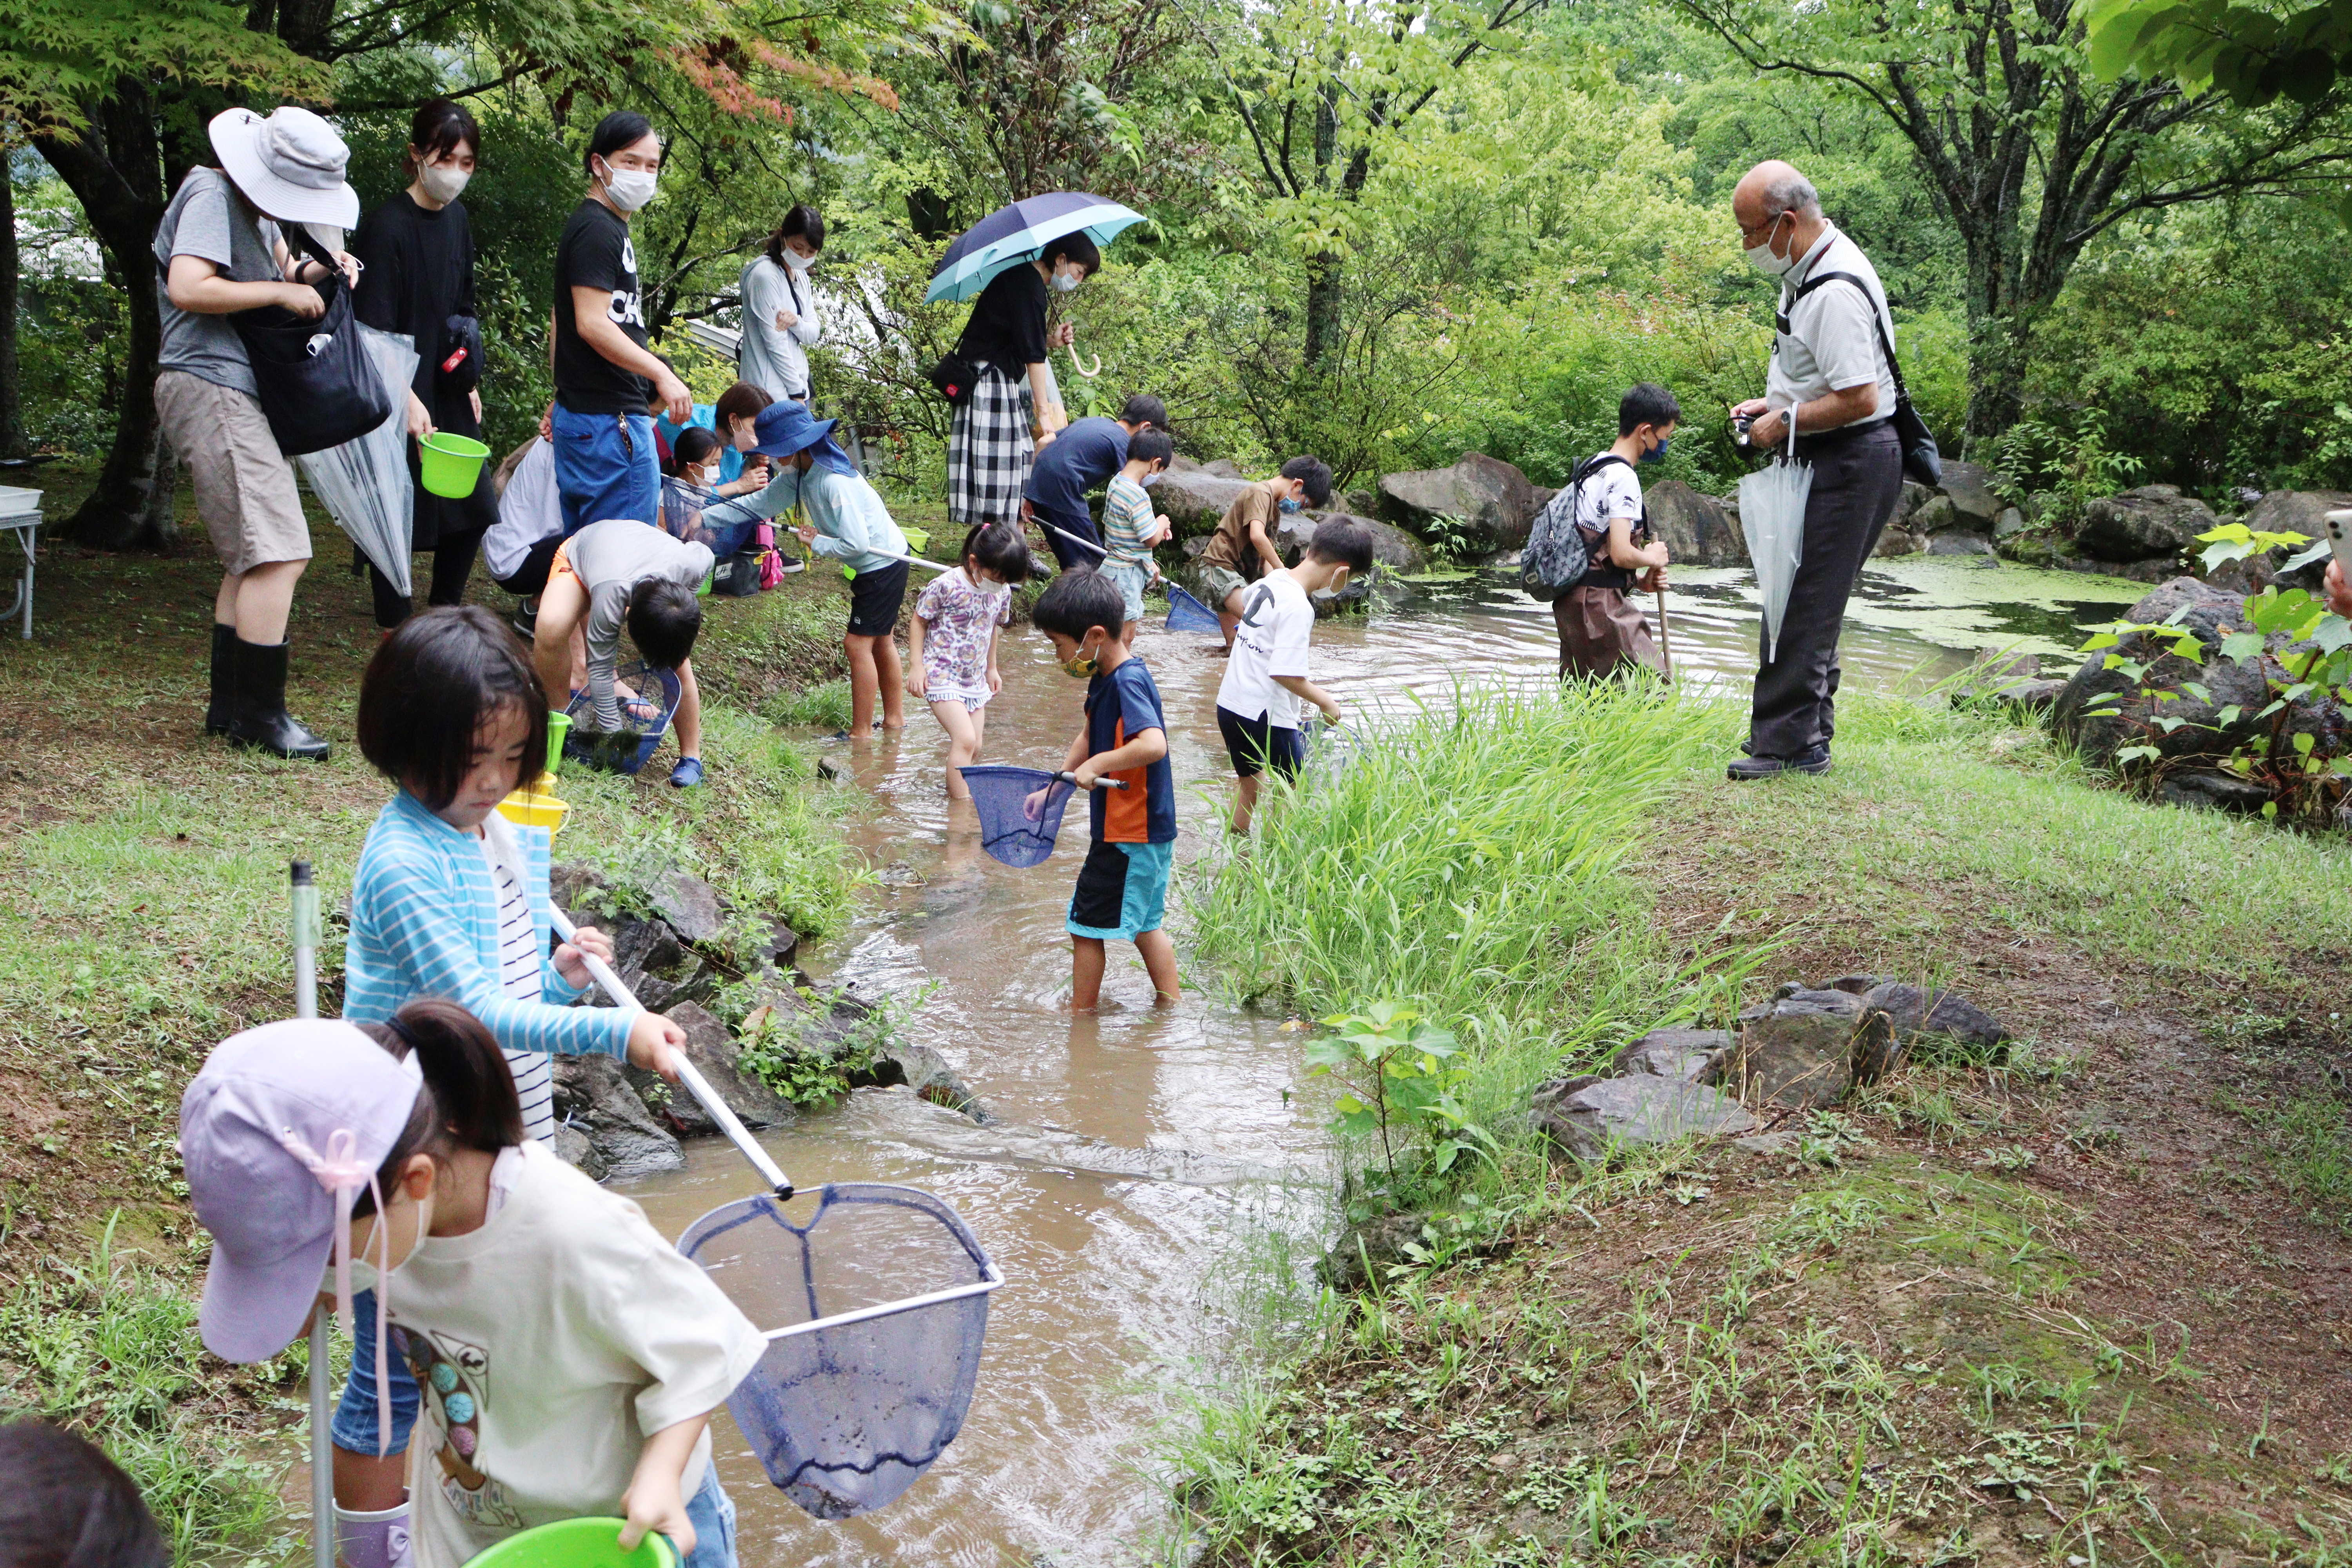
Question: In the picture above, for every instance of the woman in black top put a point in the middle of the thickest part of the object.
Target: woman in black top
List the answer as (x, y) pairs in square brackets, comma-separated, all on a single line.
[(992, 436), (418, 252)]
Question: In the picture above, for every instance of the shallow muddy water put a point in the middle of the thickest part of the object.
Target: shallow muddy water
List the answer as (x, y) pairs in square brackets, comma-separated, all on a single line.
[(1138, 1155)]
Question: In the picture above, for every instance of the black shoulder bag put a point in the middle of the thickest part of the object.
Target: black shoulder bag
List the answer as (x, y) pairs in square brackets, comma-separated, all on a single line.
[(315, 381), (1921, 459)]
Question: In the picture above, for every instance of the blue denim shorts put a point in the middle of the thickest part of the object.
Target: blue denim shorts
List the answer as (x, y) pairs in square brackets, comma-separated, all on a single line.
[(606, 465), (712, 1513), (355, 1423)]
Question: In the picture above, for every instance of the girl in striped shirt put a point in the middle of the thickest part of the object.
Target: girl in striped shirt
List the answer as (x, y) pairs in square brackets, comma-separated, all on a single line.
[(451, 899)]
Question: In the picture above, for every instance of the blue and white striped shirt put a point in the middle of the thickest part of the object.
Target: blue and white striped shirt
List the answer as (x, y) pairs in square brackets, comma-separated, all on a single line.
[(425, 922)]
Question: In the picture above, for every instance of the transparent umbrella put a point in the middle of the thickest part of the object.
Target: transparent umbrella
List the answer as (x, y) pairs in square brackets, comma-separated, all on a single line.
[(364, 483), (1772, 515)]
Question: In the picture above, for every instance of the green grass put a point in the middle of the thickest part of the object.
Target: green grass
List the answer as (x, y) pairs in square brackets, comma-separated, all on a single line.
[(820, 706), (111, 1349)]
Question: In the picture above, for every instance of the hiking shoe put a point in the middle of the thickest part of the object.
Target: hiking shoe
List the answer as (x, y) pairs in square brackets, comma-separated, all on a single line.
[(1816, 760), (526, 618)]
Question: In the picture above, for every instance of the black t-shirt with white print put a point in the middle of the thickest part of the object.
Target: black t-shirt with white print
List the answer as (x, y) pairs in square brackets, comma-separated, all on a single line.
[(595, 253)]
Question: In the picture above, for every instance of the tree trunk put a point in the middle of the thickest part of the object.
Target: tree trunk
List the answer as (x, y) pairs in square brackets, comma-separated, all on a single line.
[(1323, 269), (115, 171), (12, 441)]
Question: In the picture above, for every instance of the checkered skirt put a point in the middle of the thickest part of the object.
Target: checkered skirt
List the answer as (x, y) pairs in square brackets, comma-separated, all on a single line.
[(988, 452)]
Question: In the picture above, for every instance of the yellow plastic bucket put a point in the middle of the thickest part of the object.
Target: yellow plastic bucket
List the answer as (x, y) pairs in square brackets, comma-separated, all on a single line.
[(578, 1544), (450, 464), (534, 805)]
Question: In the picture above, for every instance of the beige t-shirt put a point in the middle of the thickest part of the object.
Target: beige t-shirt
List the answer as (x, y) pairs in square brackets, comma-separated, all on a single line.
[(549, 1343), (1231, 546)]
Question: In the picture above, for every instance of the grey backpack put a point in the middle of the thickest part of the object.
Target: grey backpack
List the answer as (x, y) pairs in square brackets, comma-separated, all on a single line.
[(1556, 556)]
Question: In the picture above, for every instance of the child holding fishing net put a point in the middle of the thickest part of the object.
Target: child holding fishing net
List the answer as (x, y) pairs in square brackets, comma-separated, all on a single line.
[(573, 1356), (951, 642), (451, 899), (1122, 890)]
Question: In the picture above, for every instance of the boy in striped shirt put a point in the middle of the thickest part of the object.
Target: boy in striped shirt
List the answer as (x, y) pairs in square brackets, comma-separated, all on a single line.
[(1130, 529)]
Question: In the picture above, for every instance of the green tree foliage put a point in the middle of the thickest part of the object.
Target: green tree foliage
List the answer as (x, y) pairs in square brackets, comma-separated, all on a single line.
[(2256, 54)]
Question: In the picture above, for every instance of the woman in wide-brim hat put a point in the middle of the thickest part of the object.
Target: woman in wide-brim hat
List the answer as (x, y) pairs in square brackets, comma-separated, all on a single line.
[(218, 250)]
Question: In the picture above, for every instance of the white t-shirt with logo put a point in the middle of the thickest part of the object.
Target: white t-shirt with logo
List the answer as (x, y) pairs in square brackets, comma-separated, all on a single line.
[(1278, 618), (1830, 344), (549, 1344)]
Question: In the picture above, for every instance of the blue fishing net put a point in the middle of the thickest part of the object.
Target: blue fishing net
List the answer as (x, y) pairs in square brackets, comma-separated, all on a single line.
[(1187, 614), (874, 1311), (1007, 831), (645, 719)]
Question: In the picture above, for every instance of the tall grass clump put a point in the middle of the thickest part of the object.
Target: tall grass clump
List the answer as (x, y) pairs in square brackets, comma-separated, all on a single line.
[(1470, 863), (110, 1348)]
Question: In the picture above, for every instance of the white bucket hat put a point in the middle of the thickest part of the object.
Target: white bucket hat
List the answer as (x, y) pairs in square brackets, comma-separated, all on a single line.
[(291, 166)]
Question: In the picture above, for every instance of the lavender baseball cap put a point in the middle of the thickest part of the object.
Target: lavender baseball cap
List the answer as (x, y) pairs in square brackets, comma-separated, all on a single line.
[(266, 1103)]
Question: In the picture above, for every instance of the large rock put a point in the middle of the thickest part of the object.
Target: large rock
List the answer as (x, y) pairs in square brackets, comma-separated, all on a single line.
[(1912, 1013), (2297, 511), (1195, 499), (1968, 487), (1488, 497), (1933, 516), (712, 1047), (690, 905), (2099, 729), (594, 1095), (1958, 542), (2143, 524), (1684, 1054), (1587, 1119), (1695, 531), (1392, 547), (1805, 1050)]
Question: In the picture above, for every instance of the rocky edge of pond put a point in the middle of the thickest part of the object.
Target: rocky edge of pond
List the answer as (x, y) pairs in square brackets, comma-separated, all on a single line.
[(1482, 508), (1807, 1049), (617, 1123)]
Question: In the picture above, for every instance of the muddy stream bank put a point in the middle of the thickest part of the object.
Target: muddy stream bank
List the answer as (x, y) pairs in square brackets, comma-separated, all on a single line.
[(1142, 1156)]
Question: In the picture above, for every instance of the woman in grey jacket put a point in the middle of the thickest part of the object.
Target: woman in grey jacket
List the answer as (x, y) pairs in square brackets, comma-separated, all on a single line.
[(780, 307)]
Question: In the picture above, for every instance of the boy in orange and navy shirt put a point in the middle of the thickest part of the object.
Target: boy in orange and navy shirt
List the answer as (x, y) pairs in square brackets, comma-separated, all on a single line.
[(1122, 890)]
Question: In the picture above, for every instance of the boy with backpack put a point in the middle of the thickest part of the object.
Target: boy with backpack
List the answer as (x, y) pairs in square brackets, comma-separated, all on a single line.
[(1591, 549)]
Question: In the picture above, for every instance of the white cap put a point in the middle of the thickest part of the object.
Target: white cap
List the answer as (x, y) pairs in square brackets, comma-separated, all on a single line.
[(291, 166)]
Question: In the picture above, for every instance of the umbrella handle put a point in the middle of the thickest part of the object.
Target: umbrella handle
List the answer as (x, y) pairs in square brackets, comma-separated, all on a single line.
[(1072, 780), (1078, 365), (708, 1097)]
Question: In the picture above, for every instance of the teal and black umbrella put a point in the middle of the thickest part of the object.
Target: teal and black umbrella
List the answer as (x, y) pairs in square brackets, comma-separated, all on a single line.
[(1012, 234)]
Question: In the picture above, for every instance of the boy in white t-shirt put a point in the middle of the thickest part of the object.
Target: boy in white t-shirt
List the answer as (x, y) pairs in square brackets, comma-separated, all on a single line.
[(1600, 629), (1263, 696)]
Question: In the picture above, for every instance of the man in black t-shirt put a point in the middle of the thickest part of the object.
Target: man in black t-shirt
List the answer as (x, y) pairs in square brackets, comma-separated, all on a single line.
[(605, 461)]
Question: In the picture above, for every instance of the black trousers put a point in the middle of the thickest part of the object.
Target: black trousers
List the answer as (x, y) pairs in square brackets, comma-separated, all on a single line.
[(1857, 480)]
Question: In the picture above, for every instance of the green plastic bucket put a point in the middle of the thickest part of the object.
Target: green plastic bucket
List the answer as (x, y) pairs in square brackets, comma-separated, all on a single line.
[(558, 726), (451, 464), (577, 1543)]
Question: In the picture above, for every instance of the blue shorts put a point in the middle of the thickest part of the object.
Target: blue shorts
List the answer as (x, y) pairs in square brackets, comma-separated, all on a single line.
[(606, 465), (1122, 890), (712, 1513), (355, 1423)]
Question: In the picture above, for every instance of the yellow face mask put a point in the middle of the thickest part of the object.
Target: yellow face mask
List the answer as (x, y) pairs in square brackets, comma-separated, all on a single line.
[(1082, 667)]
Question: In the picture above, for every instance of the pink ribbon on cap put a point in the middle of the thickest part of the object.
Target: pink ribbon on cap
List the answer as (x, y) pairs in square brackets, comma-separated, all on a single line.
[(339, 1170)]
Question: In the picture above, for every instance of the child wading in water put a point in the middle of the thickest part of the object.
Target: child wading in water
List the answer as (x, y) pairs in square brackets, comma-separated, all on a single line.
[(1122, 890), (1262, 701), (574, 1356), (952, 645), (1129, 527), (451, 899)]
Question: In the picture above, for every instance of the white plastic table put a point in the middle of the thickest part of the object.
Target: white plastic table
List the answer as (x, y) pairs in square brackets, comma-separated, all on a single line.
[(20, 514)]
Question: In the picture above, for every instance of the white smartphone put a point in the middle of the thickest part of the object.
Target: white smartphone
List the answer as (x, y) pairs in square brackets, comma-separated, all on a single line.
[(2339, 540)]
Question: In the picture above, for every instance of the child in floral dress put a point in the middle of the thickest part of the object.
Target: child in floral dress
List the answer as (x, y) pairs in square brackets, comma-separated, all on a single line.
[(952, 645)]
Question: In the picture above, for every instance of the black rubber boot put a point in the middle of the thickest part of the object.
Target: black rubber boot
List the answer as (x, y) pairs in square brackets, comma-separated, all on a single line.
[(261, 718), (224, 702)]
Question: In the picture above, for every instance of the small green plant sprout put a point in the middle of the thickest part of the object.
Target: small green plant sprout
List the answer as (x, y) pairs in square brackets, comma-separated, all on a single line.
[(1399, 1079), (2235, 542)]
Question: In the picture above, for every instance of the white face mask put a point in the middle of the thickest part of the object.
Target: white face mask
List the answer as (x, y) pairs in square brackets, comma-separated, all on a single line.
[(443, 182), (629, 188), (797, 261), (1065, 282), (1762, 258), (1151, 480)]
